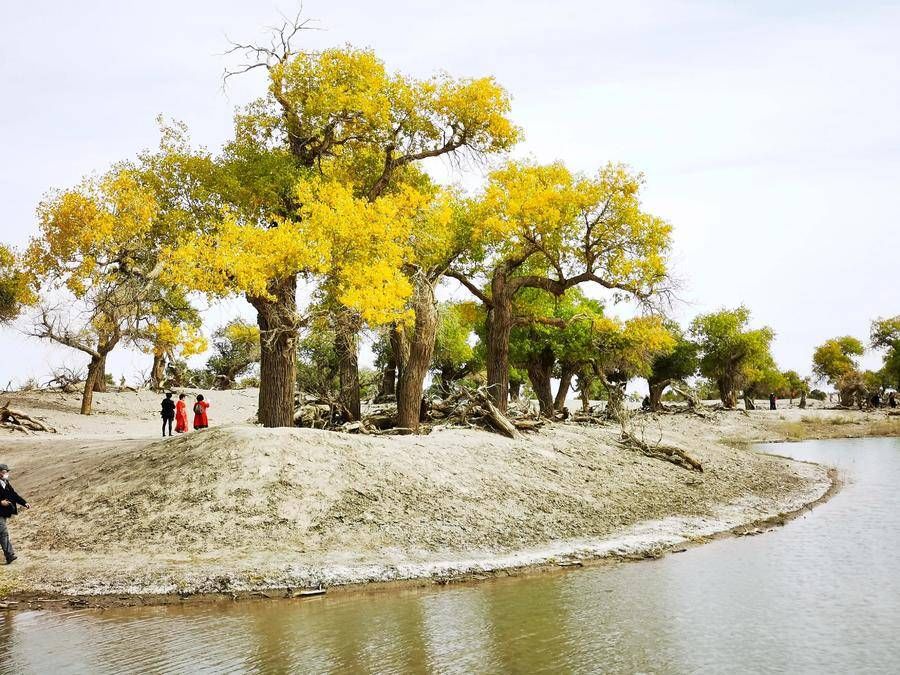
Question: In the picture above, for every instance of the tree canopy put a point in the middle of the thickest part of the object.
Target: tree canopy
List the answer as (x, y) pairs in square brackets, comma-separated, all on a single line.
[(674, 365), (731, 354), (15, 286), (544, 227), (836, 361)]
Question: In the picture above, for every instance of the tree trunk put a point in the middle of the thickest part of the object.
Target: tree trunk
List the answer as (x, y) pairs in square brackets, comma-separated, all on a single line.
[(499, 327), (802, 400), (726, 392), (95, 369), (515, 388), (100, 381), (157, 372), (539, 371), (656, 392), (565, 384), (277, 321), (347, 350), (748, 403), (446, 378), (388, 378), (421, 348), (846, 397), (584, 390), (615, 408)]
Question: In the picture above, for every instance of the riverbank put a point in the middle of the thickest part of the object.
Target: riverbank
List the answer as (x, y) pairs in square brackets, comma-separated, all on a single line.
[(239, 510)]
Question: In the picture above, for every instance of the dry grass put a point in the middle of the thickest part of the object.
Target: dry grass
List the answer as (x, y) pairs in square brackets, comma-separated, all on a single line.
[(835, 427)]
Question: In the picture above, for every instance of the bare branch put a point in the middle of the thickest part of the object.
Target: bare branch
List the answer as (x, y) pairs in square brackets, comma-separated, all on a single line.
[(279, 50), (473, 289)]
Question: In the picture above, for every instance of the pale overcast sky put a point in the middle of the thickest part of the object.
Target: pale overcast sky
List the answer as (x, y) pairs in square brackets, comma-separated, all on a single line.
[(768, 131)]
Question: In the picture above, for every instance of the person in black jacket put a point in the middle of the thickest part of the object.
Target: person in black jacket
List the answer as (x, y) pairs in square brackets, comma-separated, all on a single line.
[(9, 499), (168, 412)]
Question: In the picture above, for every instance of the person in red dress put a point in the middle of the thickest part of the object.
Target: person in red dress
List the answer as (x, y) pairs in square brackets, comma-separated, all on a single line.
[(200, 419), (181, 415)]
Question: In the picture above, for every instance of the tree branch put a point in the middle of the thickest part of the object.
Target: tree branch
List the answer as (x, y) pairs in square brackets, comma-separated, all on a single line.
[(473, 289)]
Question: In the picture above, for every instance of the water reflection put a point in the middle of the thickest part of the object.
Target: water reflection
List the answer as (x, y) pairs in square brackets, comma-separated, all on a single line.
[(822, 594)]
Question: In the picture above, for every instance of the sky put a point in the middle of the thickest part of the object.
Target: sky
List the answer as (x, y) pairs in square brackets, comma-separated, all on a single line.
[(767, 131)]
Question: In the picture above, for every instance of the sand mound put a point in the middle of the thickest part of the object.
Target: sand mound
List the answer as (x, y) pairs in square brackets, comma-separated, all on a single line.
[(248, 489)]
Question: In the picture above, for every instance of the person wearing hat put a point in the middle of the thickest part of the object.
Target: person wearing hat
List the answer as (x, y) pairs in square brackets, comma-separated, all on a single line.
[(9, 498)]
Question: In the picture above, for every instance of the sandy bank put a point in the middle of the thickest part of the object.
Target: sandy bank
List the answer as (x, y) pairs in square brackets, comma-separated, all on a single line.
[(240, 508)]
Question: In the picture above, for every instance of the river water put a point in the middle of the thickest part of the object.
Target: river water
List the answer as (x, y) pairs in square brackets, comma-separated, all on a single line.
[(820, 595)]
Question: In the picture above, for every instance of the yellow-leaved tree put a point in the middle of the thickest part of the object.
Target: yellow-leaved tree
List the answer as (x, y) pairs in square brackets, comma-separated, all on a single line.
[(96, 263), (625, 350), (543, 227), (15, 286), (168, 338), (319, 182)]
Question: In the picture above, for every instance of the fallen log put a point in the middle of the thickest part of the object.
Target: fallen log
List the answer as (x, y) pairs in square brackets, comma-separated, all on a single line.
[(528, 425), (19, 421), (694, 404), (497, 419), (14, 427), (668, 453)]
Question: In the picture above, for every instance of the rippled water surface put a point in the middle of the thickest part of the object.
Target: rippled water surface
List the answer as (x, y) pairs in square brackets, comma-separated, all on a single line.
[(819, 595)]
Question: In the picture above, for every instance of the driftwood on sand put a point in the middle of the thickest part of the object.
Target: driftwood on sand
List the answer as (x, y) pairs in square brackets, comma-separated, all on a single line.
[(15, 420), (473, 407), (659, 451), (462, 408)]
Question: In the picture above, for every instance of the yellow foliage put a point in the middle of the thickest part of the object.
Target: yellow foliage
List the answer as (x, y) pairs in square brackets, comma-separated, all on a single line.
[(631, 346), (346, 86), (357, 247), (236, 257), (346, 96), (572, 222), (100, 226), (525, 201), (369, 243), (242, 333), (165, 337), (16, 287)]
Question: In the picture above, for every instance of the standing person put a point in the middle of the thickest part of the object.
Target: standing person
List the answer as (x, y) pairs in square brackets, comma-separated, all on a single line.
[(167, 412), (181, 415), (772, 401), (200, 419), (9, 498)]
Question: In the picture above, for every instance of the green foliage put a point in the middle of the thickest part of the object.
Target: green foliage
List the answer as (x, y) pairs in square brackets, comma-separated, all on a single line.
[(794, 384), (369, 380), (564, 325), (732, 354), (875, 381), (885, 333), (455, 357), (678, 364), (317, 362), (836, 358), (456, 323), (707, 389), (818, 395), (180, 375), (885, 336), (766, 381), (236, 346)]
